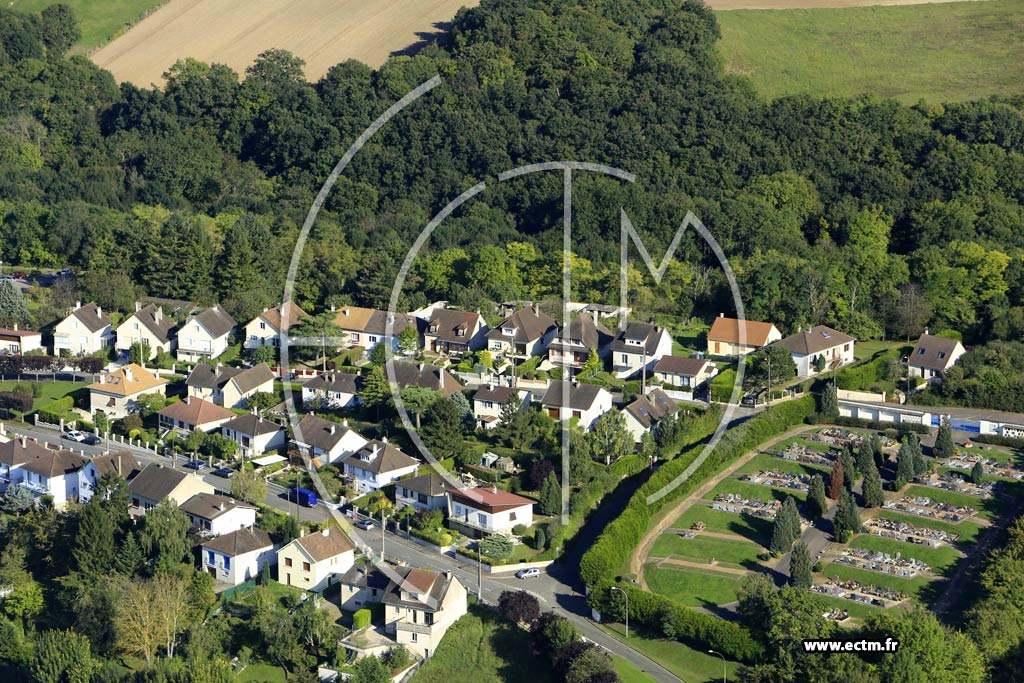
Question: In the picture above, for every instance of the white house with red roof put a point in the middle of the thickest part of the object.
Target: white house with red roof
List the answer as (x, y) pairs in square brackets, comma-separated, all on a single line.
[(732, 337), (483, 511), (265, 328)]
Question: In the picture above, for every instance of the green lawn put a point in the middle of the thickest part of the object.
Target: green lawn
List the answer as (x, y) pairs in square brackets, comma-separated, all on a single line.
[(51, 390), (855, 609), (986, 508), (966, 532), (936, 558), (100, 20), (261, 673), (911, 587), (694, 587), (936, 52), (693, 666), (750, 490), (765, 462), (630, 673), (485, 649), (866, 349), (703, 548), (752, 528)]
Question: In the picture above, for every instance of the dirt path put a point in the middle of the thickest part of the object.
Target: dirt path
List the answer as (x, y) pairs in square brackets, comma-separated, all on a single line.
[(816, 4), (667, 517), (702, 565)]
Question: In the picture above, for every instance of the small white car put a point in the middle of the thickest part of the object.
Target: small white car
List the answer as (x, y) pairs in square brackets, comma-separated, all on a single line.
[(74, 435), (531, 573)]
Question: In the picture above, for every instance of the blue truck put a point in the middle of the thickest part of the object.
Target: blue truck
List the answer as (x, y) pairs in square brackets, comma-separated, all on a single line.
[(302, 496)]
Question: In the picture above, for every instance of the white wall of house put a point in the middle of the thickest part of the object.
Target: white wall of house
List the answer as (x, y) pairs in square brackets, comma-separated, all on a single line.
[(258, 332), (805, 364), (628, 363), (687, 381), (250, 446), (349, 444), (483, 409), (409, 628), (405, 498), (237, 569), (132, 331), (355, 598), (602, 404), (367, 482), (296, 568), (195, 343), (71, 335), (231, 520), (498, 522), (333, 399)]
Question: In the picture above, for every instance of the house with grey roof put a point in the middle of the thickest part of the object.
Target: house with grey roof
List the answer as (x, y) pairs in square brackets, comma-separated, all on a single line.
[(424, 375), (425, 492), (489, 400), (157, 482), (150, 325), (818, 349), (584, 402), (639, 346), (524, 334), (213, 514), (239, 555), (684, 373), (933, 356), (85, 330), (454, 333), (227, 386), (573, 344), (326, 440), (254, 434), (204, 335), (332, 390), (645, 413), (122, 463), (40, 470), (377, 464)]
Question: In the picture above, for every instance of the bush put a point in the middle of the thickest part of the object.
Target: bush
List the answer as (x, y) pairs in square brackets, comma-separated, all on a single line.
[(997, 440), (361, 619), (628, 465)]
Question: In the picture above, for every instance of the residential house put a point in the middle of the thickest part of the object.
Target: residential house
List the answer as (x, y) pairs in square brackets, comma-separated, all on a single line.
[(524, 334), (40, 470), (645, 413), (148, 324), (489, 399), (818, 349), (639, 346), (732, 337), (86, 330), (205, 335), (367, 327), (122, 463), (157, 482), (254, 434), (933, 356), (325, 440), (265, 329), (425, 492), (315, 561), (377, 464), (423, 375), (586, 402), (117, 393), (228, 386), (572, 346), (684, 373), (239, 555), (191, 413), (421, 606), (333, 390), (214, 514), (19, 342), (482, 511), (361, 586), (453, 333)]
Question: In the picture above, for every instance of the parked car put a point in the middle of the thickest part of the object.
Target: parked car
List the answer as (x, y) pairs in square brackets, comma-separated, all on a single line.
[(92, 440), (225, 472), (365, 525), (74, 435), (196, 464), (531, 573)]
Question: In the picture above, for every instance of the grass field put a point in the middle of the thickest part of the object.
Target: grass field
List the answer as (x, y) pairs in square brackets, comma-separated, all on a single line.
[(912, 587), (629, 673), (936, 52), (99, 20), (703, 548), (765, 462), (855, 609), (483, 645), (965, 531), (937, 558), (51, 391), (752, 528), (693, 666), (745, 488), (261, 673), (694, 587)]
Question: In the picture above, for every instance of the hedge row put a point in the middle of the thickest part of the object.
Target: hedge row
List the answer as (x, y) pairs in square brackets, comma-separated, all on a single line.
[(900, 428), (601, 563), (678, 622), (629, 465), (996, 440)]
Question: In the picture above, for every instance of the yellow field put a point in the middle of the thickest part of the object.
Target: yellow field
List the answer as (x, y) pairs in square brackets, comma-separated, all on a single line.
[(234, 32)]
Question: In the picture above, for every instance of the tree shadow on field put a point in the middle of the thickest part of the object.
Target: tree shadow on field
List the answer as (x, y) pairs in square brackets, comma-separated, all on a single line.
[(425, 38)]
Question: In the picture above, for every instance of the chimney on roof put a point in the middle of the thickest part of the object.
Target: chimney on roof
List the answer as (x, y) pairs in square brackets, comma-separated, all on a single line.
[(383, 439), (326, 532), (24, 442), (494, 489), (926, 330), (128, 374), (441, 374), (333, 427), (99, 311), (138, 306), (302, 531), (103, 379), (78, 304), (265, 309), (536, 309), (158, 314), (221, 506), (344, 423), (721, 315), (15, 327)]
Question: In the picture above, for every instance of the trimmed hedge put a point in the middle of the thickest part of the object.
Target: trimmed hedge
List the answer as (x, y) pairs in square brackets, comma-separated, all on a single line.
[(601, 563), (679, 622), (628, 465), (361, 619), (996, 440), (900, 427)]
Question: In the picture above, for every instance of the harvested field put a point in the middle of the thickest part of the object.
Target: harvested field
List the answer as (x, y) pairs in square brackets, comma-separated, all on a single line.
[(234, 32), (814, 4)]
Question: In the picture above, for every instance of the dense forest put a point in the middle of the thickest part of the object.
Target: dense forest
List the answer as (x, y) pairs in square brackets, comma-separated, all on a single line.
[(865, 214)]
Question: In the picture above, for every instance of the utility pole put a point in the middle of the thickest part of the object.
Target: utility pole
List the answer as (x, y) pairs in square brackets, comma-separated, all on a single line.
[(382, 533), (625, 595), (724, 670), (479, 571), (768, 399)]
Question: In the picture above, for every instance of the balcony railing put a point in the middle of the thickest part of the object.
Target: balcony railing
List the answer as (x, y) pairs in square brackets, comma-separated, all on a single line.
[(413, 628)]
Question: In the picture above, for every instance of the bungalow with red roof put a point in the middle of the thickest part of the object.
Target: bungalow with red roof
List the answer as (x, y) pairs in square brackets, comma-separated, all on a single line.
[(732, 337), (191, 413), (481, 512)]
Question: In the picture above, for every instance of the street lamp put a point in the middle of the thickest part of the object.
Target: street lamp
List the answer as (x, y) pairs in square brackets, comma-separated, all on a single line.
[(625, 595), (724, 670)]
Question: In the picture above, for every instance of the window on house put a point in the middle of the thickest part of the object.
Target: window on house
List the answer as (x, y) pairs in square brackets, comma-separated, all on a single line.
[(263, 325), (227, 562), (920, 352), (287, 561), (210, 556), (942, 354), (481, 519), (413, 637), (625, 358), (512, 516), (305, 566)]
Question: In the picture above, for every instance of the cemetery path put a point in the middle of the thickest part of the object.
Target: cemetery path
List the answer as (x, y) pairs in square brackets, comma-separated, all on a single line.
[(667, 517)]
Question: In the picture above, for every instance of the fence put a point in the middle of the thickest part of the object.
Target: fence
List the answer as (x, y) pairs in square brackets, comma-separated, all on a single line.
[(240, 589)]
